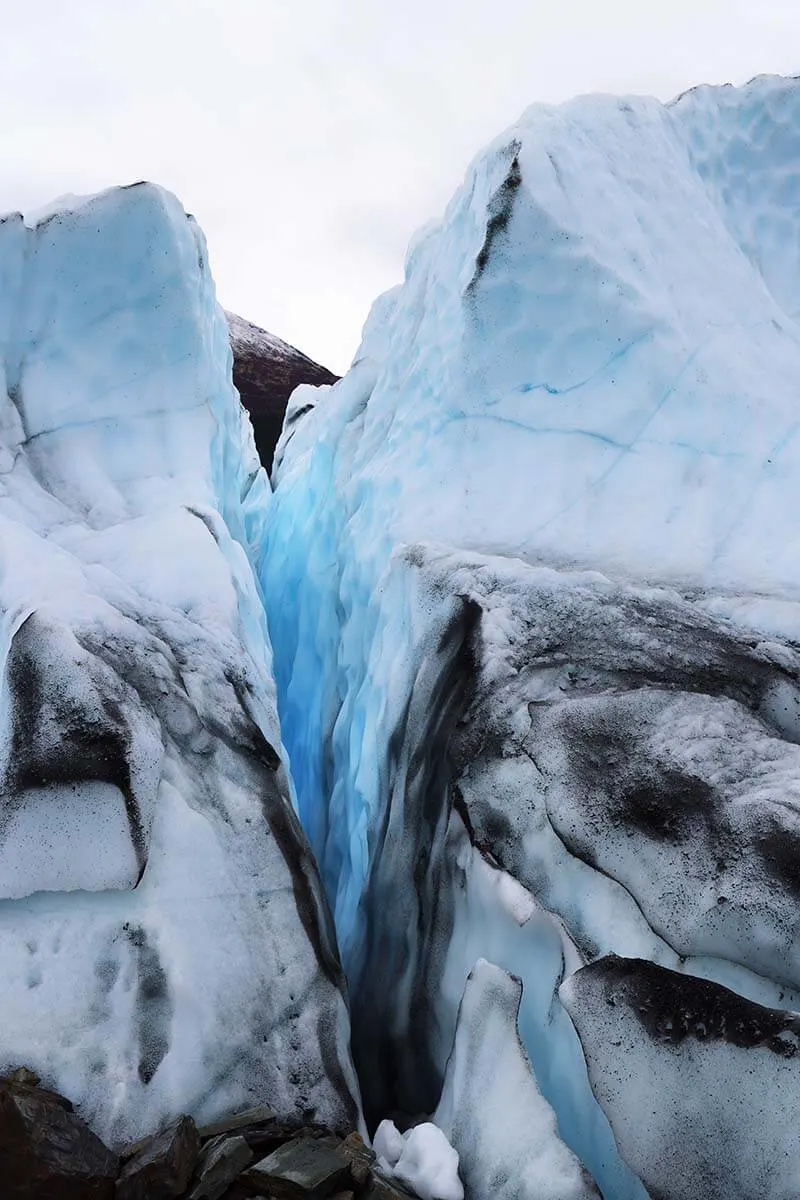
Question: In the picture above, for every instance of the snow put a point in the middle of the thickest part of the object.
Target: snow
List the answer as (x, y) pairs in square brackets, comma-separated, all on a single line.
[(159, 911), (246, 336), (388, 1144), (538, 681), (422, 1158)]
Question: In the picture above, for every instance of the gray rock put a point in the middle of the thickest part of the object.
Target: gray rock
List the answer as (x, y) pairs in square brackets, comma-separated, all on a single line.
[(262, 1114), (161, 1166), (381, 1188), (222, 1160), (360, 1156), (47, 1151), (303, 1169)]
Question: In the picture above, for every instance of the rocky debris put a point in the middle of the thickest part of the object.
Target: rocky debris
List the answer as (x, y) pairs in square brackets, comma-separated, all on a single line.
[(265, 373), (161, 1166), (242, 1122), (48, 1153), (46, 1150), (305, 1167), (381, 1188), (222, 1160), (360, 1157)]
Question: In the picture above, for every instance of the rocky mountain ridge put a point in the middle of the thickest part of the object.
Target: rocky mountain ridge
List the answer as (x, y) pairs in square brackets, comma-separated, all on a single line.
[(266, 371)]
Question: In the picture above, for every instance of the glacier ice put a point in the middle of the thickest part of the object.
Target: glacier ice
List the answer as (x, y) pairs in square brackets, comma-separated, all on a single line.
[(662, 1051), (539, 681), (490, 1093), (422, 1158), (164, 941)]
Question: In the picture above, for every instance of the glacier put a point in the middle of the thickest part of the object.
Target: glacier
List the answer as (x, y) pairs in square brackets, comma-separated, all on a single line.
[(164, 940), (539, 680), (448, 782)]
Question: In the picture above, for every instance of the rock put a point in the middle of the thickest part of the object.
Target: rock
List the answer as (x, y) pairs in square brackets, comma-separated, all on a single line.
[(381, 1188), (303, 1169), (262, 1114), (263, 1139), (241, 1191), (223, 1158), (360, 1157), (265, 373), (161, 1166), (27, 1077), (46, 1150)]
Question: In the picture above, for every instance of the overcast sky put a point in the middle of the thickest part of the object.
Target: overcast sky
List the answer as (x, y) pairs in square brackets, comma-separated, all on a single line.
[(312, 137)]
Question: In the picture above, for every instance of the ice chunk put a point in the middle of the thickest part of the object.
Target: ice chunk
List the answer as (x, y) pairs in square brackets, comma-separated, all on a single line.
[(696, 1081), (429, 1164), (388, 1142), (491, 1108)]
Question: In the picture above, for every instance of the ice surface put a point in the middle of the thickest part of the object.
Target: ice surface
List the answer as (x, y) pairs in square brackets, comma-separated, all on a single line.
[(667, 1053), (539, 679), (491, 1108), (388, 1142), (164, 943)]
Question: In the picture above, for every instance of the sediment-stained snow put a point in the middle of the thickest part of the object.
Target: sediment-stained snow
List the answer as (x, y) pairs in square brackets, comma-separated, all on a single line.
[(668, 1053)]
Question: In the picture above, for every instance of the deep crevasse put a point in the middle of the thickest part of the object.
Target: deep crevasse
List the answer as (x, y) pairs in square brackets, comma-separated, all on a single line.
[(589, 368)]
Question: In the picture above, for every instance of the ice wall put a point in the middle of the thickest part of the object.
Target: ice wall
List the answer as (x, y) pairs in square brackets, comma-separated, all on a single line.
[(164, 943), (540, 664)]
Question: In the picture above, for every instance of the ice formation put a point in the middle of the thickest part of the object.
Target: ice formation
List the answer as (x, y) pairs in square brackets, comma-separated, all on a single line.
[(164, 943), (422, 1158), (539, 680), (662, 1051), (491, 1108)]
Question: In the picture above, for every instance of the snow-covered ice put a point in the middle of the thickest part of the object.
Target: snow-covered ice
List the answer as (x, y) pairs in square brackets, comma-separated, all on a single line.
[(531, 578), (491, 1108), (539, 685), (669, 1054), (164, 945), (422, 1158)]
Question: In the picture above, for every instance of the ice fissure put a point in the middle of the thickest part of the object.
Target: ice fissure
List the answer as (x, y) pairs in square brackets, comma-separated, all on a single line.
[(539, 678)]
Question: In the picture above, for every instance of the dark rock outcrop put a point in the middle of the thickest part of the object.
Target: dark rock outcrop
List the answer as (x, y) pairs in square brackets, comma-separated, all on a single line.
[(161, 1166), (46, 1150), (314, 1168), (265, 372), (48, 1153)]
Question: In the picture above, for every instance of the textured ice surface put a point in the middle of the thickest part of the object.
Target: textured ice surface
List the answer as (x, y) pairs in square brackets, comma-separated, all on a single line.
[(164, 946), (539, 685), (491, 1108), (668, 1053)]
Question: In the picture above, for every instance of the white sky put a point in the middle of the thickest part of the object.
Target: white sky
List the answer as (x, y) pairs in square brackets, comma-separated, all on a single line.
[(312, 137)]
